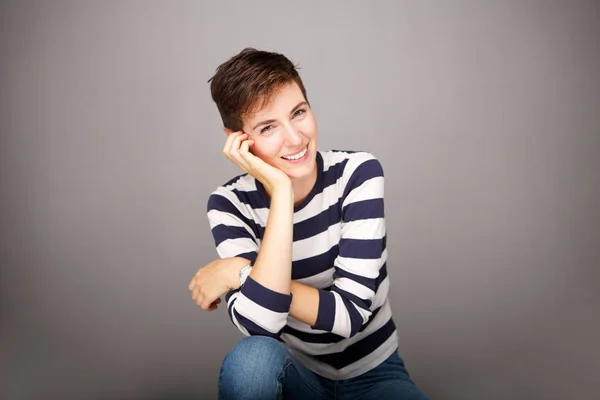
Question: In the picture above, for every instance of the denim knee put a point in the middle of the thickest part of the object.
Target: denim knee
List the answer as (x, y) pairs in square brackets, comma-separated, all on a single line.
[(253, 369)]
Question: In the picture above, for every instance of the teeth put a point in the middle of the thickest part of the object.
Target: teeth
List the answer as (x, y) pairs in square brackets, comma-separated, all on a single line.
[(297, 156)]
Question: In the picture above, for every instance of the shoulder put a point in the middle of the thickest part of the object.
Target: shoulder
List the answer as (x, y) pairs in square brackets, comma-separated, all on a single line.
[(351, 162), (237, 191)]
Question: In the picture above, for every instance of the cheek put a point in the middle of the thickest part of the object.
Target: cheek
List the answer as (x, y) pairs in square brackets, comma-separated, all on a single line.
[(310, 127), (265, 149)]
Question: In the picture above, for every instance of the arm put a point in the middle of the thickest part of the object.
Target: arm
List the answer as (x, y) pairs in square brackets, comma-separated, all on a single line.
[(346, 306), (273, 266), (259, 307)]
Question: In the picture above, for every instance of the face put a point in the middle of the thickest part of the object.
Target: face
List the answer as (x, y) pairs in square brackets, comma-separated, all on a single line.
[(285, 133)]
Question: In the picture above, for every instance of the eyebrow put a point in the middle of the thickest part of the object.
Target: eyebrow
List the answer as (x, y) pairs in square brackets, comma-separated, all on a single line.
[(270, 121)]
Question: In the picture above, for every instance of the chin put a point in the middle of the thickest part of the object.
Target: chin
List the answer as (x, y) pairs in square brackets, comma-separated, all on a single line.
[(303, 171)]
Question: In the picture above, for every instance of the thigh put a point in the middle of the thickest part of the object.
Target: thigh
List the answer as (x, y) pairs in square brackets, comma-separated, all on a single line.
[(389, 380), (301, 383)]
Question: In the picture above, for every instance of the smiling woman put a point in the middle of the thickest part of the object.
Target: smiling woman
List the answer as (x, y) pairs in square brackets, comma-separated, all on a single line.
[(302, 241), (284, 135)]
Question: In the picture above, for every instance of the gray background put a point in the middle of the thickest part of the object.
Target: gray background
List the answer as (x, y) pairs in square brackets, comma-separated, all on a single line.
[(484, 114)]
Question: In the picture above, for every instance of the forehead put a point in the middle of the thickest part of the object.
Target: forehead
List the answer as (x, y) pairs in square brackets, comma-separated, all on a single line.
[(283, 99)]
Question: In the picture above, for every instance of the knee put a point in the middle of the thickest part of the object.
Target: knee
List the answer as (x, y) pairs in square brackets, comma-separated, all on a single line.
[(254, 365), (255, 353)]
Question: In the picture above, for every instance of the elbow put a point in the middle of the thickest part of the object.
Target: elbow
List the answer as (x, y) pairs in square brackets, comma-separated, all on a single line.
[(256, 327), (257, 330), (342, 316), (357, 325), (352, 323), (358, 317)]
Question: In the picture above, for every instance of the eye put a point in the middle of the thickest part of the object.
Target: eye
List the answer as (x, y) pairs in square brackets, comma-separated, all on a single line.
[(299, 112), (266, 128)]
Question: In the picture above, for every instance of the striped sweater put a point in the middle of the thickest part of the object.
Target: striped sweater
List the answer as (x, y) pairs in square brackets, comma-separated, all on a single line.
[(339, 248)]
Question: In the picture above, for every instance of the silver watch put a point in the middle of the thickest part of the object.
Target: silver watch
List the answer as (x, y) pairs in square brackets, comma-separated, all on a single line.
[(244, 273)]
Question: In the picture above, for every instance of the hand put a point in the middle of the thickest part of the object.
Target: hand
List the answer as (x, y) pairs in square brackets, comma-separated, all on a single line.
[(237, 149), (214, 280)]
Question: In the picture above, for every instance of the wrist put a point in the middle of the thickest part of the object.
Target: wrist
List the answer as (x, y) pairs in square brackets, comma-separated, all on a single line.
[(283, 187), (234, 273), (283, 194)]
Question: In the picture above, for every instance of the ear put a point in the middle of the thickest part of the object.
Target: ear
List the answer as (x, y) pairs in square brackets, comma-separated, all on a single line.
[(227, 131)]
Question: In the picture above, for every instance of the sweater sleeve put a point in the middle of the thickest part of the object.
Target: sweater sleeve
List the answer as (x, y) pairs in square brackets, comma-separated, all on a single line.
[(345, 307), (253, 309)]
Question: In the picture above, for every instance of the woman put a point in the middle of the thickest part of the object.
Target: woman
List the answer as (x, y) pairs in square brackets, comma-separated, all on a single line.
[(302, 241)]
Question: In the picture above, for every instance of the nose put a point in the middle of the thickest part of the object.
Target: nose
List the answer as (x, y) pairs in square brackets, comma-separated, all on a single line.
[(293, 137)]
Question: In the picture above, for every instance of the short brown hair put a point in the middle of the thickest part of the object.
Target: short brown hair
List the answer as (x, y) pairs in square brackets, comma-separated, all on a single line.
[(245, 83)]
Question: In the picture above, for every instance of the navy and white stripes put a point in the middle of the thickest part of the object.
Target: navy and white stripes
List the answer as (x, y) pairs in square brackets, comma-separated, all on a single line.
[(339, 248)]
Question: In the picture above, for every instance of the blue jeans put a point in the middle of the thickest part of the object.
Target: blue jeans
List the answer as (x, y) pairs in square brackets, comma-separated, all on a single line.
[(260, 368)]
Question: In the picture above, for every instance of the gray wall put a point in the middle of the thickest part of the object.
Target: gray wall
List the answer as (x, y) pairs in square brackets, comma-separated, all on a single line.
[(484, 114)]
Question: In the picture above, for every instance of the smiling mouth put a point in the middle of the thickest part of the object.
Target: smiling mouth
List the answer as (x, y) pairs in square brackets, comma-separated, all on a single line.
[(296, 156)]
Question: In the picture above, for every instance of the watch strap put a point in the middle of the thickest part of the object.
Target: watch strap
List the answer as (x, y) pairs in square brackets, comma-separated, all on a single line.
[(244, 273)]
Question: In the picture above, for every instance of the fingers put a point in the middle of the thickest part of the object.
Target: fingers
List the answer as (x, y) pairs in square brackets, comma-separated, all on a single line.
[(233, 144), (228, 142), (206, 301), (213, 306), (231, 150), (235, 151), (211, 282), (230, 139), (245, 149), (196, 295)]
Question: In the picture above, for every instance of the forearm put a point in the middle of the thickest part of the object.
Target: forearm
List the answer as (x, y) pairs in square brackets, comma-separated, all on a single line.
[(335, 310), (305, 303), (273, 266)]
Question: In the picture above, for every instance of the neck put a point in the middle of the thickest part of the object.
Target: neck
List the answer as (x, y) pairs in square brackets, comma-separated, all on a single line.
[(302, 187)]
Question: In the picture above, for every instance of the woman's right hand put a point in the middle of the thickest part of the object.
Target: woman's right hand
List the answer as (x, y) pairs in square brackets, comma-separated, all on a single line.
[(237, 149)]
